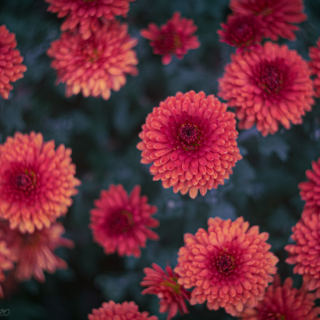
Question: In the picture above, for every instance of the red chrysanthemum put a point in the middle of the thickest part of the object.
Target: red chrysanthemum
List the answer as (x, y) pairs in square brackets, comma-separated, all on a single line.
[(7, 257), (243, 32), (314, 54), (269, 86), (36, 181), (86, 15), (278, 16), (173, 38), (191, 141), (116, 311), (229, 265), (165, 285), (284, 303), (11, 68), (121, 223), (97, 65)]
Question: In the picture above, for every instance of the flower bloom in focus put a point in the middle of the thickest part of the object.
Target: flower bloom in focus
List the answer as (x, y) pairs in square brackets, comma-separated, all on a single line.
[(284, 303), (116, 311), (243, 32), (121, 223), (191, 141), (86, 15), (268, 87), (11, 68), (36, 181), (173, 38), (278, 16), (164, 284), (97, 65), (314, 54), (229, 265), (7, 257)]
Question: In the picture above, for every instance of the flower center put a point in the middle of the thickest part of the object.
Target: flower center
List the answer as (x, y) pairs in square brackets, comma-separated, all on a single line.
[(172, 283), (271, 77), (31, 239), (189, 136), (88, 1), (24, 182), (225, 262), (274, 316), (242, 33), (167, 42), (121, 222)]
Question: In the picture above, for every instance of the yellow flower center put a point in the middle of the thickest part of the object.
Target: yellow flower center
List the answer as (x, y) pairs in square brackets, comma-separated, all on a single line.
[(172, 283)]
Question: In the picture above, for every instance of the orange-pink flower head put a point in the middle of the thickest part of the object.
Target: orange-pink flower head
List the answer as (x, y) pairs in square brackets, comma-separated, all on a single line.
[(283, 302), (116, 311), (268, 87), (121, 223), (190, 139), (86, 15), (314, 54), (229, 265), (173, 38), (165, 285), (36, 181), (278, 16), (11, 68), (97, 65)]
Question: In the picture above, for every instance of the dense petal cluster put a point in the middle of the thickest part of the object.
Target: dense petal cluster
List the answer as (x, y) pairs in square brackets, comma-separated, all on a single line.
[(11, 67), (268, 87), (121, 223), (165, 285), (97, 65), (116, 311), (175, 37), (86, 15), (36, 181), (243, 32), (7, 257), (282, 302), (278, 16), (229, 265), (314, 54), (191, 141)]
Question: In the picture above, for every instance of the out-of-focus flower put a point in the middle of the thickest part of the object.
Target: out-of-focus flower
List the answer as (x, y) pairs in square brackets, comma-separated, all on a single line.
[(191, 141), (97, 65), (278, 16), (284, 303), (229, 265), (165, 285), (86, 15), (121, 223), (7, 257), (116, 311), (11, 68), (268, 87), (314, 54), (243, 32), (36, 181), (173, 38)]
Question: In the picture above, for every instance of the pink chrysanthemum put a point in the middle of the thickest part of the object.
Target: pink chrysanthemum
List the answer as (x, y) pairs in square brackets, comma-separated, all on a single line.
[(86, 15), (278, 16), (121, 223), (229, 265), (36, 181), (268, 87), (243, 32), (97, 65), (173, 38), (191, 141), (314, 54), (165, 285), (284, 303), (11, 68)]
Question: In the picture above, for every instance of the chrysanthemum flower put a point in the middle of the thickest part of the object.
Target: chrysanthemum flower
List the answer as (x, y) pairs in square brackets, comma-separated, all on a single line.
[(243, 32), (173, 38), (86, 15), (191, 141), (121, 223), (269, 86), (165, 285), (7, 257), (284, 303), (36, 181), (229, 265), (97, 65), (278, 16), (314, 54), (11, 68)]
